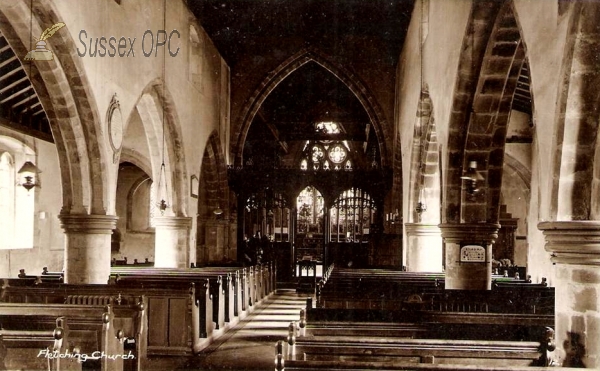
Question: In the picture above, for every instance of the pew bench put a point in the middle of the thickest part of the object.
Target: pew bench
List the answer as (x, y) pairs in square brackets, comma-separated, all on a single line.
[(163, 278), (175, 319), (385, 366), (84, 333), (20, 348), (395, 350)]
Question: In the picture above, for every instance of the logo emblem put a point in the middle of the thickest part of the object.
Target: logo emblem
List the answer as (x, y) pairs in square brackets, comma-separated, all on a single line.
[(40, 53)]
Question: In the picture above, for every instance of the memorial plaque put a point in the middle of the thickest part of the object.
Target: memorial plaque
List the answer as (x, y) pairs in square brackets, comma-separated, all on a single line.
[(472, 253)]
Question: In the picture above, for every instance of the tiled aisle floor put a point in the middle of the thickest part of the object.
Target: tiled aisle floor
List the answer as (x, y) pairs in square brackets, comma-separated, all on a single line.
[(251, 344)]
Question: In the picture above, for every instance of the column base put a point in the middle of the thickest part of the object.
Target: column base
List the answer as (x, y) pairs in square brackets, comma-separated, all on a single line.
[(424, 247), (575, 249), (87, 247), (469, 271), (172, 248)]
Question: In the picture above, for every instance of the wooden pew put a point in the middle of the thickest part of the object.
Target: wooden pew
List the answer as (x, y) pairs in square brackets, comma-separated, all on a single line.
[(20, 348), (377, 289), (404, 350), (165, 278), (134, 327), (179, 315), (364, 344), (241, 288), (41, 278), (92, 333)]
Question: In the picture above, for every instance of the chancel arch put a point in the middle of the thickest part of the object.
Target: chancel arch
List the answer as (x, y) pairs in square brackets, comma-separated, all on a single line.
[(281, 73)]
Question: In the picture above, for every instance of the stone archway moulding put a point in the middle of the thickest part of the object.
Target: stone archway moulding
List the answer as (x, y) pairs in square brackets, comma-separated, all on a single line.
[(66, 96), (215, 175), (358, 88), (155, 98)]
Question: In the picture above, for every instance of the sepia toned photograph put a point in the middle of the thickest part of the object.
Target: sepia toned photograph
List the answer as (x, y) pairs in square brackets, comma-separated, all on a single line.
[(287, 185)]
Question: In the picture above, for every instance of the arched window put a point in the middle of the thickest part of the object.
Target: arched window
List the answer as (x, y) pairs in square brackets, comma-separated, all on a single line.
[(7, 197), (309, 206), (351, 216), (17, 207)]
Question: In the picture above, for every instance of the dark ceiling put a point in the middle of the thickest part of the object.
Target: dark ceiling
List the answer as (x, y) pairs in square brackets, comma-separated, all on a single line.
[(20, 108), (261, 26), (248, 33)]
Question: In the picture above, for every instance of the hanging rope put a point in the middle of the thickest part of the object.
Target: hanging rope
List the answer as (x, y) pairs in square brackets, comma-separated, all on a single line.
[(163, 204)]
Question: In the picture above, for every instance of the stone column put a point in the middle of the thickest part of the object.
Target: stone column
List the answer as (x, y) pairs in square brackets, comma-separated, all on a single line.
[(424, 247), (172, 249), (575, 250), (466, 267), (87, 247)]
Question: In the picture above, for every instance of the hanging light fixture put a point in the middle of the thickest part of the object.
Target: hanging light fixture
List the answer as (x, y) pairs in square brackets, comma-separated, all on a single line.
[(163, 191), (218, 211), (421, 204), (472, 176), (28, 175)]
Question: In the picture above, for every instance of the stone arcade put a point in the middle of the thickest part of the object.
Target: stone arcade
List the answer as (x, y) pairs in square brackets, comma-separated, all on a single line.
[(455, 140)]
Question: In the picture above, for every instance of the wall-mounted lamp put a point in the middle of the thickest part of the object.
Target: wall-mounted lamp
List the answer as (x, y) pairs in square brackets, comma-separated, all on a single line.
[(28, 176), (421, 205), (472, 177), (392, 217)]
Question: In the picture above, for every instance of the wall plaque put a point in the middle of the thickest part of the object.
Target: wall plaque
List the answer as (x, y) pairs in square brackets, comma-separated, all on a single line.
[(115, 127), (472, 253)]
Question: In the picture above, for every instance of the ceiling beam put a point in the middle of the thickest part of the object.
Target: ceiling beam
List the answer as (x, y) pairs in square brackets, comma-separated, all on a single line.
[(12, 96), (9, 74), (30, 108), (13, 84), (273, 129), (27, 98), (8, 61), (25, 130)]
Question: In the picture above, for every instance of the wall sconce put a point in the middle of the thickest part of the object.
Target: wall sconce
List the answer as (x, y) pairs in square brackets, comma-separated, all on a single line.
[(218, 211), (28, 175), (472, 176), (392, 217)]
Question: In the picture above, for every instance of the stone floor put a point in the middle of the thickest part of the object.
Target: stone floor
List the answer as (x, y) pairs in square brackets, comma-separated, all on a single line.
[(250, 345)]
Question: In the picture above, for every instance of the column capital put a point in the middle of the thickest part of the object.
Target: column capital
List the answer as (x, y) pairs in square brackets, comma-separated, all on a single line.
[(470, 232), (573, 242), (172, 222), (97, 224), (422, 229)]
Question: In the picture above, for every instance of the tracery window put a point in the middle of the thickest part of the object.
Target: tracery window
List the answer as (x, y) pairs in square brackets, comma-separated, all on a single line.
[(326, 155), (351, 216), (310, 206), (327, 127)]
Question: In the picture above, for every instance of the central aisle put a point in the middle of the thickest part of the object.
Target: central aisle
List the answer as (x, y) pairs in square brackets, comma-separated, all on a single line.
[(250, 345)]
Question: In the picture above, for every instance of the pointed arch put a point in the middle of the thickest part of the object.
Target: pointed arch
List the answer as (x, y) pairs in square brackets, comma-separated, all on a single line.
[(273, 79), (425, 164), (213, 174), (575, 184), (154, 102), (66, 96), (490, 66)]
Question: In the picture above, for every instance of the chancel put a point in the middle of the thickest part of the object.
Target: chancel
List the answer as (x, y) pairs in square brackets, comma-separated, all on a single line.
[(299, 185)]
